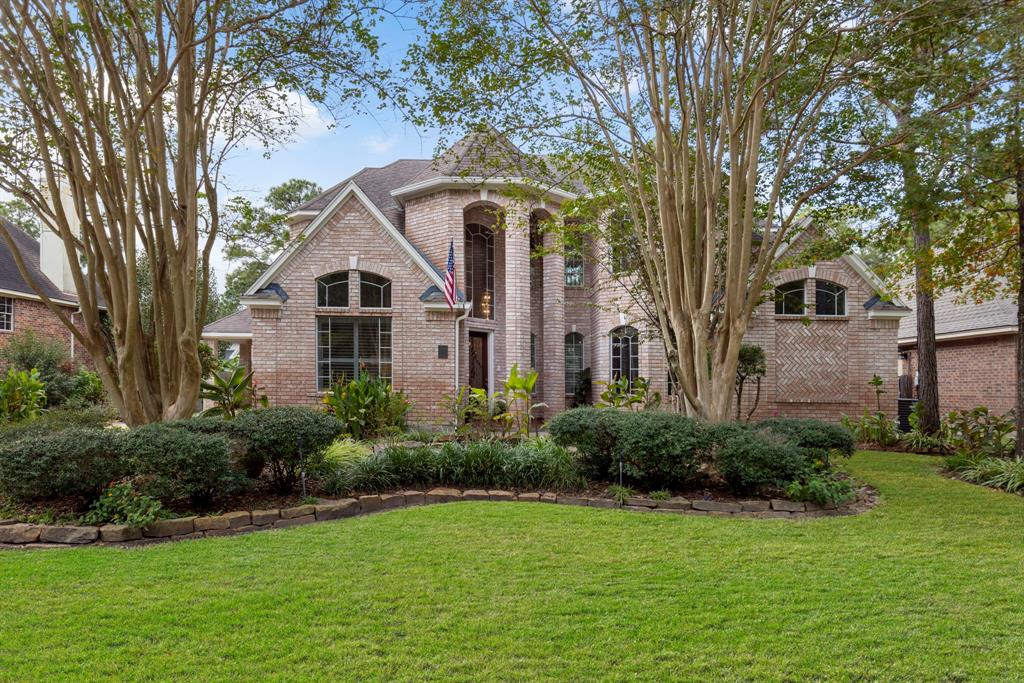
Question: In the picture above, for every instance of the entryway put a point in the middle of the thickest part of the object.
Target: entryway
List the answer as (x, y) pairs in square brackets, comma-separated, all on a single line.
[(479, 360)]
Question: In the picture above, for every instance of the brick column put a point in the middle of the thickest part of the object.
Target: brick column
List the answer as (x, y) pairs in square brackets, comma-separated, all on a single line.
[(517, 289), (552, 360)]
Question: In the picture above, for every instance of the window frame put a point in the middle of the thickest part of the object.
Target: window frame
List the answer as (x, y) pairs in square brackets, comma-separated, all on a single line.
[(784, 290), (616, 337), (383, 355), (384, 286), (322, 286), (6, 314), (838, 295), (574, 263), (471, 231), (574, 341)]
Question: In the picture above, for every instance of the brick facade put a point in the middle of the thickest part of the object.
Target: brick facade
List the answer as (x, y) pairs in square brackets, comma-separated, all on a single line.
[(34, 315), (978, 371), (818, 367)]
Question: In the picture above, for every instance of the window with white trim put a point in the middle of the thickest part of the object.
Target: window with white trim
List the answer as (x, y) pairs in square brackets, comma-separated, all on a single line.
[(574, 273), (789, 298), (829, 298), (374, 291), (573, 361), (348, 346), (625, 348), (332, 290), (6, 314)]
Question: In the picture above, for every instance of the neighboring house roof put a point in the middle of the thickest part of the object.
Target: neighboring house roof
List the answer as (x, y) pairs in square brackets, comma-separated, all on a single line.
[(959, 319), (11, 280), (238, 325)]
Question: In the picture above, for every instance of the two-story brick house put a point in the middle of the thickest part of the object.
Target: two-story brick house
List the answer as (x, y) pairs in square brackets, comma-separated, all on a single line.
[(361, 287)]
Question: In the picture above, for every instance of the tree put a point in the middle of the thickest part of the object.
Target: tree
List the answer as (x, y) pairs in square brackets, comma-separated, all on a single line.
[(115, 119), (752, 366), (19, 213), (255, 234), (716, 126)]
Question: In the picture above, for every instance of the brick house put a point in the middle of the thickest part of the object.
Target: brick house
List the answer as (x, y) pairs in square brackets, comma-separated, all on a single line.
[(361, 286), (21, 308), (975, 346)]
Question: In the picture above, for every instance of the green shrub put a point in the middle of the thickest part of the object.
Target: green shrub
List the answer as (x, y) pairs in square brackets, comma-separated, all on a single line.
[(820, 440), (620, 493), (1000, 473), (592, 432), (86, 389), (343, 450), (180, 466), (27, 351), (979, 431), (367, 406), (121, 503), (275, 435), (751, 460), (661, 450), (57, 420), (823, 489), (22, 395), (541, 464), (875, 429), (73, 462)]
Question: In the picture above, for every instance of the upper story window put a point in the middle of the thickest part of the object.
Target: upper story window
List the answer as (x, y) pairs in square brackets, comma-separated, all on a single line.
[(789, 298), (829, 298), (625, 343), (479, 256), (621, 244), (332, 290), (6, 314), (374, 291), (574, 276)]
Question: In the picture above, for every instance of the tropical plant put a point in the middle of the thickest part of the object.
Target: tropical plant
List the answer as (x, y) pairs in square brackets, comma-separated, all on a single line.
[(980, 432), (519, 389), (621, 393), (877, 429), (465, 406), (367, 406), (878, 384), (231, 390), (22, 395)]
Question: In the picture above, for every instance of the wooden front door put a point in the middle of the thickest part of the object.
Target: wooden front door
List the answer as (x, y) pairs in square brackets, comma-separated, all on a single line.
[(478, 360)]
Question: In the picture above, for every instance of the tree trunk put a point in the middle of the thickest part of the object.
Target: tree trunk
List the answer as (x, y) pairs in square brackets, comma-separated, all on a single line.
[(1019, 448), (927, 363)]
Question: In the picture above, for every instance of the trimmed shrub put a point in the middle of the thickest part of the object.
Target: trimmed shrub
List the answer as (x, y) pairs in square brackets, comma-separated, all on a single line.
[(592, 432), (56, 420), (818, 438), (26, 351), (750, 460), (661, 450), (179, 466), (273, 436), (73, 462)]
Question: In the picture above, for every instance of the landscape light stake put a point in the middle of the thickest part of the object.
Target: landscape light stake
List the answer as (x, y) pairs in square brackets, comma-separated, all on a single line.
[(302, 467)]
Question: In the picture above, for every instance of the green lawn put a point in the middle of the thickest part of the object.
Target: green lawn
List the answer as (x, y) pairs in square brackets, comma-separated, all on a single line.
[(928, 586)]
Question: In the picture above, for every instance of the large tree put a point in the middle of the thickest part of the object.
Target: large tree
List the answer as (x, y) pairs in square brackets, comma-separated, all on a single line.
[(116, 117), (717, 125)]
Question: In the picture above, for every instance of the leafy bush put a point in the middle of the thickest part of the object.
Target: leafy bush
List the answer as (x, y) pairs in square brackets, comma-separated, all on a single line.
[(1000, 473), (86, 389), (876, 429), (231, 390), (537, 464), (181, 466), (27, 351), (592, 432), (73, 462), (620, 493), (121, 503), (820, 440), (343, 450), (750, 460), (822, 488), (57, 420), (367, 406), (979, 431), (22, 395), (274, 436)]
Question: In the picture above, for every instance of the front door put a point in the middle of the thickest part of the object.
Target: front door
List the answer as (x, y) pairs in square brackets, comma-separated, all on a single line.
[(478, 361)]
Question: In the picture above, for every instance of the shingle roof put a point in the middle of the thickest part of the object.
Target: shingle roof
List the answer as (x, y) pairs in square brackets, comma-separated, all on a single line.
[(482, 154), (952, 317), (10, 276), (239, 322)]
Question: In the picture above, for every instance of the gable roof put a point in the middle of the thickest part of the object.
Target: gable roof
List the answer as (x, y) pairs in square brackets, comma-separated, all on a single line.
[(11, 280), (953, 318), (238, 325)]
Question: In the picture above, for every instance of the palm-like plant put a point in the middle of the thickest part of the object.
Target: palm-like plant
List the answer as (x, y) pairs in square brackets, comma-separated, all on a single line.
[(231, 390)]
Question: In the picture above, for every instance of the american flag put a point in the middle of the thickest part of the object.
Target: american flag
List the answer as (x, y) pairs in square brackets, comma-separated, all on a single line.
[(449, 276)]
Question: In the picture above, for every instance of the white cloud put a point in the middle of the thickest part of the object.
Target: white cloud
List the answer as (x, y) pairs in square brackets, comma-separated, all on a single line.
[(380, 144), (312, 120)]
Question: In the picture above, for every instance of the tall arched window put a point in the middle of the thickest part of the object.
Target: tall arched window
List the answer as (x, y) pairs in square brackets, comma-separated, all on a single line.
[(573, 361), (479, 257), (829, 298), (332, 290), (625, 346), (789, 298), (374, 291)]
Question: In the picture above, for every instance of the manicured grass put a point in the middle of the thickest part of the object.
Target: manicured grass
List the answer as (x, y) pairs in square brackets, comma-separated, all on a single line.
[(928, 586)]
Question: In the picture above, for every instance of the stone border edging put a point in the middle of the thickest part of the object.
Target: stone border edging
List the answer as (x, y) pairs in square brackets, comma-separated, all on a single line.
[(21, 535)]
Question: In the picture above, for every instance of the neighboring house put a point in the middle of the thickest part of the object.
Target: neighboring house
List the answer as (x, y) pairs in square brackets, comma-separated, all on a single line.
[(21, 308), (975, 346), (361, 288)]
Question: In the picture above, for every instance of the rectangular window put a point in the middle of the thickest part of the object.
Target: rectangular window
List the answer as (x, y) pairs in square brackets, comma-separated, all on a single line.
[(574, 262), (6, 314), (347, 346)]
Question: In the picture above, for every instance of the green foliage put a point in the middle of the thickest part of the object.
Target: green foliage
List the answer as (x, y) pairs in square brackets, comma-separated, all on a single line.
[(1001, 473), (181, 466), (367, 406), (823, 488), (122, 503), (980, 432), (465, 407), (619, 394), (533, 464), (21, 215), (76, 462), (86, 389), (56, 420), (231, 390), (620, 493), (344, 450), (593, 433), (274, 436), (660, 494), (519, 389), (22, 395), (752, 460), (872, 429), (28, 351), (820, 440), (751, 366)]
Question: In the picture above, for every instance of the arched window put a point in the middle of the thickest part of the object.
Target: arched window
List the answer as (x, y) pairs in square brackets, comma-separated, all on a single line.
[(573, 361), (789, 298), (374, 291), (479, 258), (829, 298), (332, 290), (625, 345)]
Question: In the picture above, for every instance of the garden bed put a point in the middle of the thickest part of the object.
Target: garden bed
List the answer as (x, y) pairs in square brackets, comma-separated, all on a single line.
[(18, 535)]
